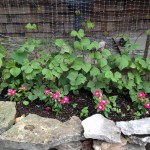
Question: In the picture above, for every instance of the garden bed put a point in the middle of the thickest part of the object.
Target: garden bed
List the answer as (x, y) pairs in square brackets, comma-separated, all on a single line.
[(75, 106)]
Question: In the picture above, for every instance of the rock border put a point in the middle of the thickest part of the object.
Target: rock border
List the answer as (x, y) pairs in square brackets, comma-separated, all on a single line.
[(94, 133)]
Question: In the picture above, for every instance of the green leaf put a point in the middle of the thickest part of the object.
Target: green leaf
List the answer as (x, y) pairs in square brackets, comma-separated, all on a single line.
[(66, 49), (80, 79), (117, 75), (80, 34), (93, 45), (36, 65), (47, 73), (72, 75), (64, 67), (91, 84), (15, 71), (19, 57), (103, 62), (106, 53), (94, 71), (73, 33), (76, 66), (130, 75), (85, 42), (28, 70), (25, 103), (77, 45), (55, 73), (109, 74), (98, 55), (86, 67), (124, 62), (6, 74), (59, 42), (146, 86)]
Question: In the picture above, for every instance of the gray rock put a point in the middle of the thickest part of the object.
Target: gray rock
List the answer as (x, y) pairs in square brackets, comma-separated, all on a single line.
[(142, 141), (141, 126), (37, 133), (98, 127), (133, 147), (7, 115), (70, 146)]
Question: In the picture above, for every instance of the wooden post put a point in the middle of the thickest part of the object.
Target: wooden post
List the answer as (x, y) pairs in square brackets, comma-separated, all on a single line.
[(147, 46)]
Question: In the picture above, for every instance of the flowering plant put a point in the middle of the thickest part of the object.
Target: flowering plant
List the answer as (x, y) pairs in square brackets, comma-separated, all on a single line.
[(102, 105), (55, 100), (19, 96), (142, 104)]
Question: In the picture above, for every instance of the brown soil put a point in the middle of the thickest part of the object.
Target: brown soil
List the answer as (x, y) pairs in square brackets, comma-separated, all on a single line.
[(82, 100)]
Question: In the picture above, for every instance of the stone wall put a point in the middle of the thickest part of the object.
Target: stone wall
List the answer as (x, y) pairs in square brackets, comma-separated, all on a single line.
[(33, 132), (55, 18)]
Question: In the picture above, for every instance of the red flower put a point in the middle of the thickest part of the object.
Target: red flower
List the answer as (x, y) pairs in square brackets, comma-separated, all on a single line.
[(100, 107), (47, 108), (97, 93), (46, 92), (66, 99), (63, 102), (141, 95), (11, 92), (23, 87), (104, 102), (147, 105)]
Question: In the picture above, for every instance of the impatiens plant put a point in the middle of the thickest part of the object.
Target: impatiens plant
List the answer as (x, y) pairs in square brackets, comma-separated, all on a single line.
[(142, 104), (103, 106), (55, 100), (18, 96)]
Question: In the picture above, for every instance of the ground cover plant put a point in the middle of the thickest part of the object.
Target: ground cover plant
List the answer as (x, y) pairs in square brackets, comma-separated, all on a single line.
[(115, 84)]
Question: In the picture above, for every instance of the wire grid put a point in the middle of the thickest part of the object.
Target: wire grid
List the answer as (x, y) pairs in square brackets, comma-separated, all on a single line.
[(57, 18)]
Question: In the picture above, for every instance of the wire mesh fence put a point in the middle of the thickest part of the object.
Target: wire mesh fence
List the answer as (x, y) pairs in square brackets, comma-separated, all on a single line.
[(56, 18)]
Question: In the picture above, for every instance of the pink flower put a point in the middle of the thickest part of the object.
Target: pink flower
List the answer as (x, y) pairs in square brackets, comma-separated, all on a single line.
[(104, 102), (97, 93), (11, 92), (66, 99), (23, 87), (47, 108), (57, 92), (147, 105), (100, 97), (55, 96), (63, 101), (46, 92), (141, 95), (100, 107)]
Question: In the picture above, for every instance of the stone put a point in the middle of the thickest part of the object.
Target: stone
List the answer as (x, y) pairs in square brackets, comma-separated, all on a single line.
[(38, 133), (99, 145), (142, 141), (98, 127), (133, 147), (139, 127), (7, 115), (70, 146)]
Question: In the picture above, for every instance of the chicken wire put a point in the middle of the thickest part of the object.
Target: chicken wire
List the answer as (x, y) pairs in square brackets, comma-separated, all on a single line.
[(57, 18)]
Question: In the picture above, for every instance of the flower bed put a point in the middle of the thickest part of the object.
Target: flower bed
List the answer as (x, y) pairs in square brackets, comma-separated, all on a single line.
[(50, 81)]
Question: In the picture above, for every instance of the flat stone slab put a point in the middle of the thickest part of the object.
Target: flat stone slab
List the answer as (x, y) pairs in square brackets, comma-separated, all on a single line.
[(37, 133), (70, 146), (7, 115), (142, 141), (137, 127), (133, 147), (98, 127)]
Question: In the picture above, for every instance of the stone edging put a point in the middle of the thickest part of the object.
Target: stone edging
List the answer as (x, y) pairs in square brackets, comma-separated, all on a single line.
[(94, 133)]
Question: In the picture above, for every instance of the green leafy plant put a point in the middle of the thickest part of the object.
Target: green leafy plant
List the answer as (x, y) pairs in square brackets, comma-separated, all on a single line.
[(84, 112)]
